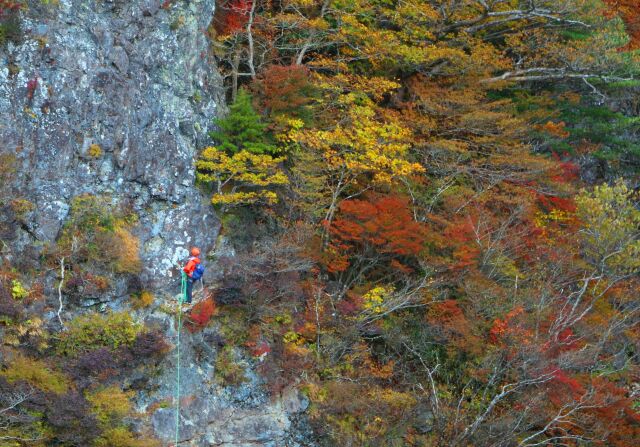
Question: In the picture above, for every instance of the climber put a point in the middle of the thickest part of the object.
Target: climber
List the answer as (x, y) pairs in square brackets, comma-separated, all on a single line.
[(193, 270)]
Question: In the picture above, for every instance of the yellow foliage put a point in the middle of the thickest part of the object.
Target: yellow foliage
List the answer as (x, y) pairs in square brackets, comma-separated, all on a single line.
[(110, 405), (611, 223), (34, 372), (374, 86), (122, 437), (18, 292), (95, 151), (126, 252), (242, 178), (542, 219), (246, 198), (292, 337), (374, 298), (362, 145), (393, 399), (87, 332), (143, 299)]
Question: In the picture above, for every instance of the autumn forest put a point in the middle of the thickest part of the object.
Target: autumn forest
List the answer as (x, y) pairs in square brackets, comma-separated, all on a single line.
[(456, 255)]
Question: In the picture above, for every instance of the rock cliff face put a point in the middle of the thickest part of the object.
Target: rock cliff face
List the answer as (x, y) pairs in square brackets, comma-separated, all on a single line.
[(114, 97)]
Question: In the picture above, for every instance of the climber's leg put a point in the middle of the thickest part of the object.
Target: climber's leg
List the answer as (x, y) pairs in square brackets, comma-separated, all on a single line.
[(189, 290)]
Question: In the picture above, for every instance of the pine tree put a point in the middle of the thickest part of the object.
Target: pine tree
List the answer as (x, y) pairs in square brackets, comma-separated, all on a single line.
[(242, 129)]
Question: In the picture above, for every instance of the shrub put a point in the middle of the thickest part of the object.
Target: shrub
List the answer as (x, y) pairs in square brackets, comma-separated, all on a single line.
[(90, 214), (15, 418), (110, 405), (70, 417), (85, 285), (201, 314), (122, 437), (97, 363), (10, 26), (228, 371), (233, 325), (149, 344), (18, 291), (21, 208), (97, 232), (27, 334), (142, 299), (9, 309), (8, 167), (95, 151), (95, 331), (125, 254), (357, 412), (34, 372)]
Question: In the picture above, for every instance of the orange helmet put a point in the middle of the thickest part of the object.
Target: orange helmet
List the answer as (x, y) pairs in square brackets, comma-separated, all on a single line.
[(195, 251)]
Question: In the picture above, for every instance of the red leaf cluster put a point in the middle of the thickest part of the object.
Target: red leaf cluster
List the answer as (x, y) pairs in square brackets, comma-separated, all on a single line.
[(201, 314), (9, 6), (567, 171), (231, 16), (509, 328), (260, 348), (382, 225), (32, 85), (567, 384), (548, 203)]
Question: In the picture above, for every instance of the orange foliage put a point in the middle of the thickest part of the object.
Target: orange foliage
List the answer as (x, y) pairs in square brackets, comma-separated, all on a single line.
[(201, 314), (510, 329), (629, 12), (285, 88), (555, 129), (615, 409), (448, 321), (460, 235), (382, 227)]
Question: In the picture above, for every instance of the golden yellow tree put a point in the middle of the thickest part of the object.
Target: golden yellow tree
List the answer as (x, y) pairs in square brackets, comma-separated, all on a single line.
[(242, 178), (360, 151)]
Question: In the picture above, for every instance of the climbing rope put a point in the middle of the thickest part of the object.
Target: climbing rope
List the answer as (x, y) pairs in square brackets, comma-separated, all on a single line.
[(183, 298)]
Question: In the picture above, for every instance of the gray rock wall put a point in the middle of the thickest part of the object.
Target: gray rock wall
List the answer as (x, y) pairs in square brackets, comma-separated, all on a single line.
[(214, 415), (133, 77)]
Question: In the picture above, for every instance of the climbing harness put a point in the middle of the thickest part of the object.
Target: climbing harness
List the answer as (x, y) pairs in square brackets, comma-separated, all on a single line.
[(183, 298)]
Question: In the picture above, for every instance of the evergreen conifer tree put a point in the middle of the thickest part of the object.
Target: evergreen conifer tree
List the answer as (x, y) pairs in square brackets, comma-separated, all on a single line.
[(242, 129)]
